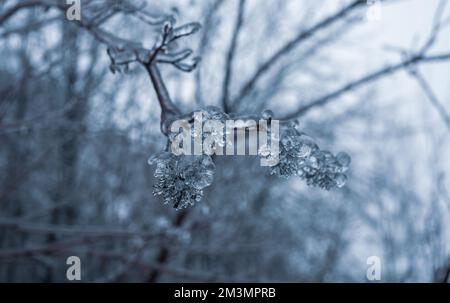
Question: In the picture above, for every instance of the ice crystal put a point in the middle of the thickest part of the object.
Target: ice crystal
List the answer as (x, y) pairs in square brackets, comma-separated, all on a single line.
[(300, 156), (181, 179), (267, 114)]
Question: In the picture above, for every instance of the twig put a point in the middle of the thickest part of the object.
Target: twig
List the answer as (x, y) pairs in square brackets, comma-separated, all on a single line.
[(285, 49), (92, 231), (373, 76), (431, 96), (230, 57)]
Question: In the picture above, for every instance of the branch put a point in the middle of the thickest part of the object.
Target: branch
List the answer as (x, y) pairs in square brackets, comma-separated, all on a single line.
[(328, 21), (373, 76), (299, 62), (90, 231), (168, 109), (432, 97), (33, 26), (123, 52), (164, 251), (410, 60), (208, 32), (438, 23), (230, 56), (41, 250), (22, 4), (446, 275)]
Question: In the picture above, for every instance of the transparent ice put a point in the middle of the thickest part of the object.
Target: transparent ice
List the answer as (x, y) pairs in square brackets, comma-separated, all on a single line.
[(181, 179)]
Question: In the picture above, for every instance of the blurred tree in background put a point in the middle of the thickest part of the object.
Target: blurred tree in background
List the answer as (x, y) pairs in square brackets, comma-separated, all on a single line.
[(80, 116)]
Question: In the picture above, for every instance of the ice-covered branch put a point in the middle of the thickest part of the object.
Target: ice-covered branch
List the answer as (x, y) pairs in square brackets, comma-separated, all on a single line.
[(168, 109)]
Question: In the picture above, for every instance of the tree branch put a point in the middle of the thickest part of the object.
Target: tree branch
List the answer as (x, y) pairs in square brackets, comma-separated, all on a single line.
[(168, 109), (432, 97), (164, 251), (373, 76), (90, 231), (230, 56), (209, 26), (22, 4), (302, 36)]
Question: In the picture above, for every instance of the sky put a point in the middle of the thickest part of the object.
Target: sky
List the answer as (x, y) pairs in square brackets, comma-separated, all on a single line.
[(401, 24)]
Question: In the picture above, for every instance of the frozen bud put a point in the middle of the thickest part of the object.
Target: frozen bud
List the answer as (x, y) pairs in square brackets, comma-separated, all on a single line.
[(264, 150), (300, 156), (293, 123), (344, 160), (181, 179), (215, 113), (340, 179), (267, 114), (304, 150)]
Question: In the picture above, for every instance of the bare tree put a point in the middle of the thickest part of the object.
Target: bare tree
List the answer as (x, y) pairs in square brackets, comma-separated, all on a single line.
[(74, 177)]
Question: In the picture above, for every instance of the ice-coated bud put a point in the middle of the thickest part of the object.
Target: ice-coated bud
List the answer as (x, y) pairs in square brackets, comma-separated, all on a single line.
[(343, 159), (181, 179), (341, 179), (267, 114), (300, 156)]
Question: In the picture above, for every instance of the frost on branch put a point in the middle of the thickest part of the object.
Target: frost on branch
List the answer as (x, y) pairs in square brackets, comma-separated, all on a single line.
[(181, 179), (300, 156)]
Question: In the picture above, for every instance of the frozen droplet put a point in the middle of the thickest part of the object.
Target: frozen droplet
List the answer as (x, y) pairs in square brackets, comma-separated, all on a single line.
[(267, 114), (328, 156), (293, 123), (272, 160), (300, 172), (240, 124), (209, 149), (304, 151), (214, 112), (343, 159), (264, 150), (159, 158), (203, 181), (208, 163), (286, 141), (172, 136), (313, 162), (341, 179), (196, 132), (198, 116), (152, 160), (180, 180)]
